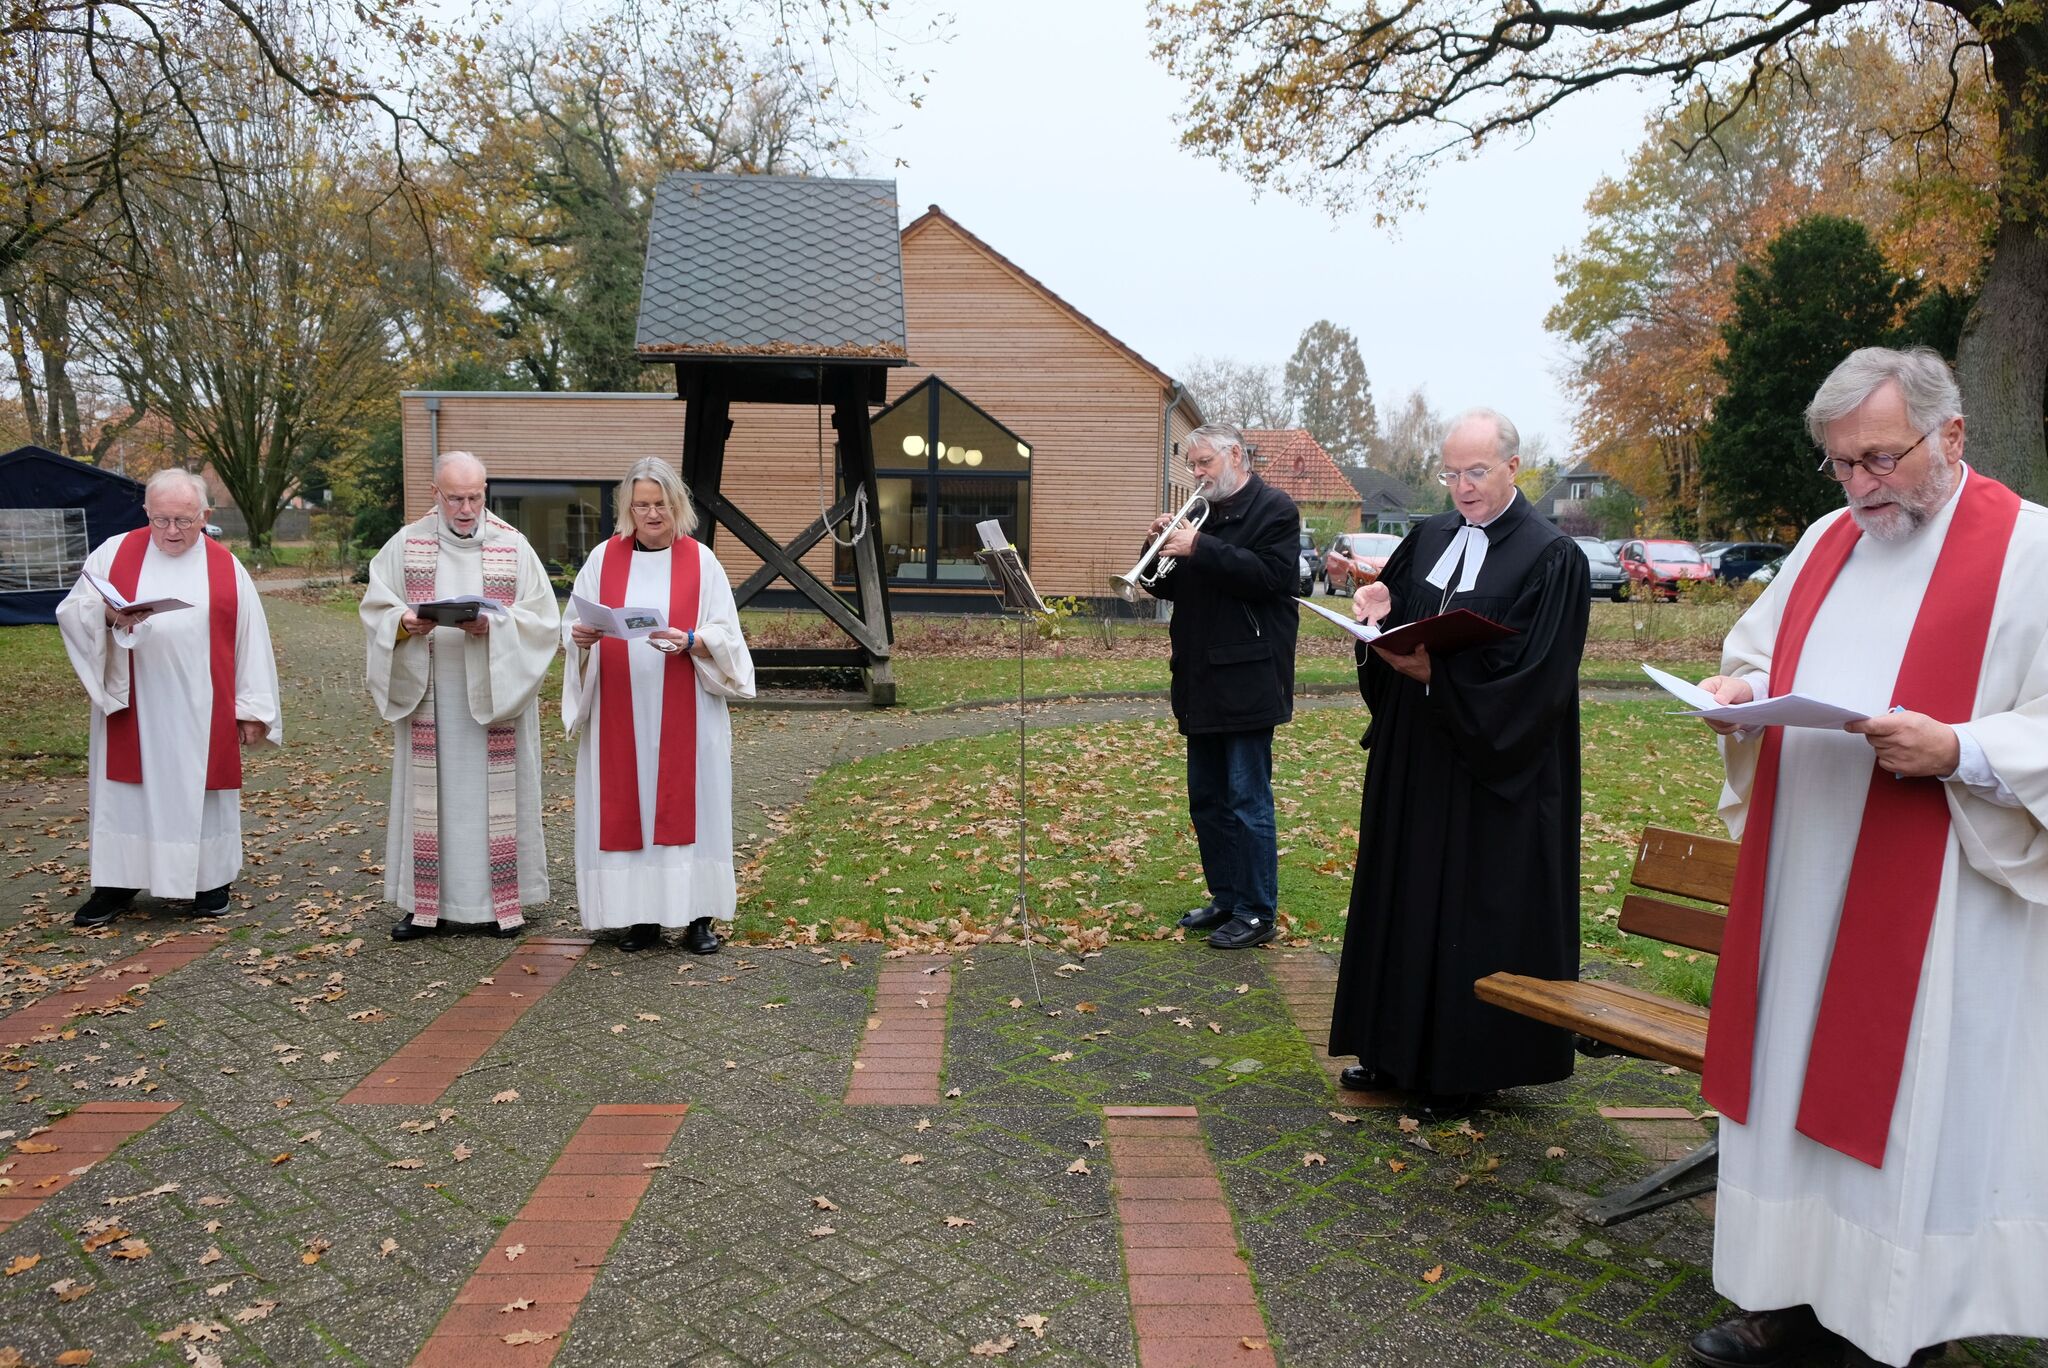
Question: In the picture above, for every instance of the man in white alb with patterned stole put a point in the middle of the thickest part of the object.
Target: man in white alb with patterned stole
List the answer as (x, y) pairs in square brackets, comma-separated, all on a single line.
[(465, 833), (175, 696), (1877, 1036), (654, 759)]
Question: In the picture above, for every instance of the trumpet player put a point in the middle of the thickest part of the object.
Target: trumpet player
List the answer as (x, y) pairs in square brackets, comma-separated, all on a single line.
[(1229, 571)]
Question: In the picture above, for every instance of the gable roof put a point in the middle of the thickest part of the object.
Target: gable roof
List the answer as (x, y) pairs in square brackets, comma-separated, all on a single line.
[(58, 466), (1381, 491), (934, 214), (1291, 459), (745, 266)]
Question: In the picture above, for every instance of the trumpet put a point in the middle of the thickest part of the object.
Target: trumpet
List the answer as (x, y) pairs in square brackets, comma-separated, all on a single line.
[(1153, 567)]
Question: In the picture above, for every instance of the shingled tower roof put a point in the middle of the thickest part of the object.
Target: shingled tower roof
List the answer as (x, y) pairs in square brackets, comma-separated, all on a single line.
[(782, 267)]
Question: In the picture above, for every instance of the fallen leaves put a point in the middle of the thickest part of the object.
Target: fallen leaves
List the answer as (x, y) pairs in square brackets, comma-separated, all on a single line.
[(101, 1238), (1034, 1323), (23, 1264), (407, 1164), (134, 1247), (1434, 1275), (508, 1095), (958, 1222), (910, 1160), (1079, 1166), (212, 1255), (314, 1250), (824, 1204), (70, 1289), (1554, 1152), (522, 1304), (462, 1153), (73, 1358), (993, 1348), (249, 1315), (1347, 1119), (387, 1247), (527, 1337), (35, 1147), (820, 1232), (1314, 1160), (514, 1251)]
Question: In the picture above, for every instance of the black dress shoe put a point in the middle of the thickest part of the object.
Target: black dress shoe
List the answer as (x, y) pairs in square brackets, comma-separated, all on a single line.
[(1758, 1339), (1205, 918), (103, 906), (405, 929), (211, 902), (1242, 933), (640, 935), (1363, 1078), (699, 938), (504, 931), (1852, 1357), (1450, 1106)]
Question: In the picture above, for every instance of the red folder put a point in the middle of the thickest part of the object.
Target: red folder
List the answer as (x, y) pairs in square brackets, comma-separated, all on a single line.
[(1445, 634)]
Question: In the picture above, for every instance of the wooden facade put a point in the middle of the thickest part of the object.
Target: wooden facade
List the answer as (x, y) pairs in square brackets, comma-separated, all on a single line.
[(1102, 425)]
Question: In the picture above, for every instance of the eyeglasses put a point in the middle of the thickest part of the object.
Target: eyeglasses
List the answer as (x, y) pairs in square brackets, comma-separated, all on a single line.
[(1879, 463), (661, 507), (1471, 474), (462, 500), (159, 522)]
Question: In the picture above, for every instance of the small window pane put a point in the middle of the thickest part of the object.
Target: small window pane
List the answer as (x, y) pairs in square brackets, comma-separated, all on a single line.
[(41, 548), (899, 435), (563, 521), (968, 441), (962, 504)]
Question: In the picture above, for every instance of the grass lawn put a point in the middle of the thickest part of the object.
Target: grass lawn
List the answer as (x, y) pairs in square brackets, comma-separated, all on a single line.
[(43, 711), (921, 844)]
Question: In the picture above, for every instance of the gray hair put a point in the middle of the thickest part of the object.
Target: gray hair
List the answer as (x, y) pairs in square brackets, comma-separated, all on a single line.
[(1219, 438), (660, 473), (1925, 382), (193, 484), (446, 458), (1507, 438)]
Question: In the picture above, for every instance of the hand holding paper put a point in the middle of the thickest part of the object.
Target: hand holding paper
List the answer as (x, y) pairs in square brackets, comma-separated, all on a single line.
[(627, 623), (1787, 710)]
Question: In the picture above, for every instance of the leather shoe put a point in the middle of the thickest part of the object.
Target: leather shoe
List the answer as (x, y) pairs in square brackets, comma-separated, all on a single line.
[(211, 902), (1757, 1339), (507, 930), (1204, 918), (699, 938), (405, 929), (1363, 1078), (640, 935), (1242, 933), (1852, 1357), (103, 906), (1450, 1106)]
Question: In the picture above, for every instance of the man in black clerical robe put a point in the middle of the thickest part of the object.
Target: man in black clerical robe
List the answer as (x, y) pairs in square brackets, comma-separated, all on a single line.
[(1468, 839)]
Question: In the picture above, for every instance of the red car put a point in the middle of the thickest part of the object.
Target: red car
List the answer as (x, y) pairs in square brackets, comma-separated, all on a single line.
[(1660, 567), (1357, 558)]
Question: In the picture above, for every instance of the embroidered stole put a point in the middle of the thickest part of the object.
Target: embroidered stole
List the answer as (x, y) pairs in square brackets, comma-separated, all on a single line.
[(501, 765), (675, 783), (1857, 1056), (223, 748)]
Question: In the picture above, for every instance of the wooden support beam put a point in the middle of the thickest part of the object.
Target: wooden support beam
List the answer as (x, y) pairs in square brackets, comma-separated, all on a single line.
[(803, 542), (722, 510)]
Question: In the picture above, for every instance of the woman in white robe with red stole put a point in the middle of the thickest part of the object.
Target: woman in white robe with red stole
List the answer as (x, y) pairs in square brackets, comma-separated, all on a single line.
[(654, 740)]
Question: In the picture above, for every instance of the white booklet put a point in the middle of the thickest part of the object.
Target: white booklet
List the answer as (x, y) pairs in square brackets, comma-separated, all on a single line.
[(121, 603), (627, 623), (1787, 710), (1364, 631)]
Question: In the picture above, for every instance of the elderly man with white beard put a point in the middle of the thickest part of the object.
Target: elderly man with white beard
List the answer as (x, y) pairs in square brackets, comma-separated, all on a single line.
[(176, 694), (1876, 1037)]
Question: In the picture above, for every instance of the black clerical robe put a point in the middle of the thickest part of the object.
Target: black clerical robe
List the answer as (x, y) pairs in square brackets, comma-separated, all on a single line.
[(1468, 845)]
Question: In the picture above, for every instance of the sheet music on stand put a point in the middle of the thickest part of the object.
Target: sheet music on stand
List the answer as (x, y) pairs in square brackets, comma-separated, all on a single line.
[(1012, 585)]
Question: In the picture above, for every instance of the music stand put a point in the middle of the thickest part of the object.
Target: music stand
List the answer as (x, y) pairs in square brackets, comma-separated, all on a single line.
[(1012, 586)]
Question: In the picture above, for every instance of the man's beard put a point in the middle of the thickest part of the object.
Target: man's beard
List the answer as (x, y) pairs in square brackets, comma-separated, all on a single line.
[(1227, 482), (1910, 507)]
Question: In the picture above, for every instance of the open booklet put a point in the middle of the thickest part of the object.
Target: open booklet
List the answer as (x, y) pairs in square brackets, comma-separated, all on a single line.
[(629, 623), (1444, 634), (1005, 567), (1787, 710), (122, 603), (458, 609)]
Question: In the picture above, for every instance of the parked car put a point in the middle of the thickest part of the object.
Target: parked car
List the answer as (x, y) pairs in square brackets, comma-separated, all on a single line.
[(1609, 579), (214, 531), (1766, 572), (1357, 558), (1659, 566), (1310, 564), (1737, 561)]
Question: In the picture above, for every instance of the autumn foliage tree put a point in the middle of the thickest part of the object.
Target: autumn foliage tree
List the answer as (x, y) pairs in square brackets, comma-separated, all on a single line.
[(1333, 96)]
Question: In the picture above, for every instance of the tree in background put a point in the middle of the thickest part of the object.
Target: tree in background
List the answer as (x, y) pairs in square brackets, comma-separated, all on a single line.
[(1410, 440), (1327, 387), (1246, 394), (1820, 290), (1324, 96)]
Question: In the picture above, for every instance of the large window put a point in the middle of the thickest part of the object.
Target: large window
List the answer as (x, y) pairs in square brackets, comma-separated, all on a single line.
[(40, 548), (942, 465), (563, 521)]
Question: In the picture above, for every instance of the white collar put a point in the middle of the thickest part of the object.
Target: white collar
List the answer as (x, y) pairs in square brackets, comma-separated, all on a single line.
[(1470, 543)]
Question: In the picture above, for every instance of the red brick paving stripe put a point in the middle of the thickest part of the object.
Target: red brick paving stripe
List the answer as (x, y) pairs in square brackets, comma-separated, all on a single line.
[(904, 1047), (428, 1065), (568, 1226), (82, 1138), (1192, 1302), (1307, 982), (123, 976)]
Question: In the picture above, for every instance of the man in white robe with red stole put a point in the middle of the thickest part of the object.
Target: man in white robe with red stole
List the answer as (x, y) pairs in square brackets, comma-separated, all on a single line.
[(464, 843), (654, 748), (1876, 1041), (176, 694)]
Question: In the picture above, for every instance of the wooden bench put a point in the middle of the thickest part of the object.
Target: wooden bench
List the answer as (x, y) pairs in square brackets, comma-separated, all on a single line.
[(1610, 1018)]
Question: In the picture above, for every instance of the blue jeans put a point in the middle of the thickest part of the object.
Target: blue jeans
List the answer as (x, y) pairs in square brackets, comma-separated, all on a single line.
[(1230, 797)]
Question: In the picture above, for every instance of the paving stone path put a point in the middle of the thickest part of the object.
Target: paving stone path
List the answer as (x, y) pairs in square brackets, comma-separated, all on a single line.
[(689, 1165)]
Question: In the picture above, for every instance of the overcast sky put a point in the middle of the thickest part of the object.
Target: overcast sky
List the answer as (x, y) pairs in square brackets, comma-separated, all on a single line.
[(1048, 131)]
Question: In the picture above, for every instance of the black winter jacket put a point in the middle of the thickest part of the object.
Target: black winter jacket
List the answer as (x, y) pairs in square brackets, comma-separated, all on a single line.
[(1234, 615)]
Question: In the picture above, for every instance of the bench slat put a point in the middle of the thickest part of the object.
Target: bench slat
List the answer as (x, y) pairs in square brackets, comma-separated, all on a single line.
[(1669, 1032), (1695, 928), (1687, 864)]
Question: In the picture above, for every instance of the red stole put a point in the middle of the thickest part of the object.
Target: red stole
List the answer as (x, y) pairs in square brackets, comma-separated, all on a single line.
[(223, 748), (1858, 1051), (675, 781)]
